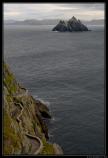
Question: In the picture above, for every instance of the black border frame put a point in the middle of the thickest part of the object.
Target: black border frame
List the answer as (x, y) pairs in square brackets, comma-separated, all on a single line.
[(105, 50)]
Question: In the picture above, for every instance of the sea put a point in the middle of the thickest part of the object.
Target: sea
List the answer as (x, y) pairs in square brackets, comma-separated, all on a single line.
[(66, 72)]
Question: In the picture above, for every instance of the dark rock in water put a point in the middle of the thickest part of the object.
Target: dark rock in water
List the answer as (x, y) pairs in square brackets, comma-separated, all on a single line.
[(43, 125), (44, 111), (71, 25), (61, 26)]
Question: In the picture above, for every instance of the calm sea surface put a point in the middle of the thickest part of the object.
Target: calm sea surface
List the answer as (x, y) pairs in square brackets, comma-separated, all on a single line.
[(65, 70)]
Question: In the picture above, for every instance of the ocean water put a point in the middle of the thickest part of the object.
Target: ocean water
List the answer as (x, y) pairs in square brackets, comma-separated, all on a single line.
[(66, 71)]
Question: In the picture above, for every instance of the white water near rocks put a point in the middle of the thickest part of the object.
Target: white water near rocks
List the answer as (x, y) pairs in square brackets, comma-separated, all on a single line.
[(67, 71)]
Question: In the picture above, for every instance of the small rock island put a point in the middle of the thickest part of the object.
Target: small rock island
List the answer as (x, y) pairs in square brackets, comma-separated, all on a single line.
[(69, 26)]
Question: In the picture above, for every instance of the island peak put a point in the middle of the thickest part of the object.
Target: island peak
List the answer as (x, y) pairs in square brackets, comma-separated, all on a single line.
[(71, 25)]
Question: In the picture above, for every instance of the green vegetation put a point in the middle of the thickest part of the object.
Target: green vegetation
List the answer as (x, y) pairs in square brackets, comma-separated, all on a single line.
[(47, 149), (9, 80), (11, 140), (9, 98), (14, 133)]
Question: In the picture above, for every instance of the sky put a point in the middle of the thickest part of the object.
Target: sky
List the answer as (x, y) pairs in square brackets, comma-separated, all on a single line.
[(39, 11)]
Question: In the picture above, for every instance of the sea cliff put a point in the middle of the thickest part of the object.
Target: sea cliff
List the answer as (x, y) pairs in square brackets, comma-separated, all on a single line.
[(24, 130)]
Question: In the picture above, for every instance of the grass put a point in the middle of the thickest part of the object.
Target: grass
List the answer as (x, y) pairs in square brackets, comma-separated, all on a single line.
[(47, 149), (11, 140), (9, 80)]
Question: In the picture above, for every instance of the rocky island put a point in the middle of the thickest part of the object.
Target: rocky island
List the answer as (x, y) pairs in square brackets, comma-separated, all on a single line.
[(69, 26), (24, 129)]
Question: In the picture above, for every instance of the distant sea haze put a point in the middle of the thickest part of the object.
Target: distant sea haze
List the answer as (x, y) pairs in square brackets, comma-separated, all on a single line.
[(50, 22), (65, 70)]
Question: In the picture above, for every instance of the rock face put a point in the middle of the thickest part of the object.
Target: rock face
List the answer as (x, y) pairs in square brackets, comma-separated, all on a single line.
[(71, 25), (23, 117)]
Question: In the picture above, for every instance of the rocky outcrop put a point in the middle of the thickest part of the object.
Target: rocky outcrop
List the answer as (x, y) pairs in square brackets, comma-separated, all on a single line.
[(61, 26), (58, 150), (71, 25), (24, 131), (43, 109)]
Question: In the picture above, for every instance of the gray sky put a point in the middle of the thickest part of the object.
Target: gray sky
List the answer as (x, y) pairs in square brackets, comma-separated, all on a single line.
[(85, 11)]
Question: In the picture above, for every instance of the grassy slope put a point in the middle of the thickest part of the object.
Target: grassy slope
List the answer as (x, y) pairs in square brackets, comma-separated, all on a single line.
[(14, 140)]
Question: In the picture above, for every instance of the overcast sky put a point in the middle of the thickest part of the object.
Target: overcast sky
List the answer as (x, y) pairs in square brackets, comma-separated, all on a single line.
[(22, 11)]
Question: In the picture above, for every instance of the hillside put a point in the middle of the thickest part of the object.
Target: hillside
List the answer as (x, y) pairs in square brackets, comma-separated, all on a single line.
[(24, 130)]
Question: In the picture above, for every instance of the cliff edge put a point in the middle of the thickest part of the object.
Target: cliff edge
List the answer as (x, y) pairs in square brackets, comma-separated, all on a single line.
[(24, 130)]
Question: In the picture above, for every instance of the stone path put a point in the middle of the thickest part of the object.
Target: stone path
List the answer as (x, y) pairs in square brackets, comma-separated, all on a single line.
[(36, 143)]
